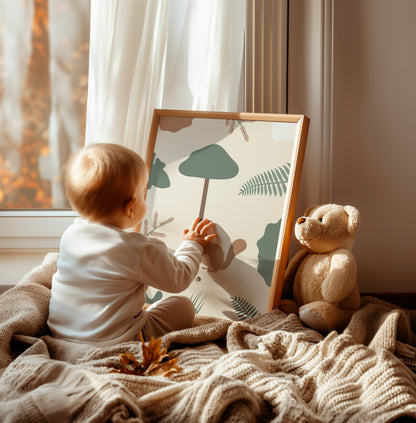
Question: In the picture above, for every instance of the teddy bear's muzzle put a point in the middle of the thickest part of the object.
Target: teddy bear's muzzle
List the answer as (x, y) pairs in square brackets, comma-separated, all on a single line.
[(307, 229)]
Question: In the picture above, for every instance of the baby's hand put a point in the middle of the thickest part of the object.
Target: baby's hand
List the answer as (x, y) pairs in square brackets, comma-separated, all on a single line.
[(198, 232)]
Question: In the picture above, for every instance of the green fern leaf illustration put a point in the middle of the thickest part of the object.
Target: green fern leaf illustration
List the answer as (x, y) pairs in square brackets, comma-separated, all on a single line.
[(198, 302), (271, 182), (243, 308)]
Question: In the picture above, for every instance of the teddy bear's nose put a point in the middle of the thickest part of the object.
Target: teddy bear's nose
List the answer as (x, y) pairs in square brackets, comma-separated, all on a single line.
[(301, 220)]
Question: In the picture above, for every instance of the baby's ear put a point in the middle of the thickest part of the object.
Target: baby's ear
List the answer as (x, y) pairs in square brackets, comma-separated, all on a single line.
[(128, 208)]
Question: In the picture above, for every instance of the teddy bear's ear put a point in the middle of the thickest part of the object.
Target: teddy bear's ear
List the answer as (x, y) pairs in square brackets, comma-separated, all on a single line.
[(353, 219)]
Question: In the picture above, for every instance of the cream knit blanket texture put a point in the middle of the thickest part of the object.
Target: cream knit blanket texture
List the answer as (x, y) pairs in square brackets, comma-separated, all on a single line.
[(268, 369)]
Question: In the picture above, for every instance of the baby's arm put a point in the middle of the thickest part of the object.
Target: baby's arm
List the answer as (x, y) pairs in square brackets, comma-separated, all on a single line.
[(174, 273), (201, 231)]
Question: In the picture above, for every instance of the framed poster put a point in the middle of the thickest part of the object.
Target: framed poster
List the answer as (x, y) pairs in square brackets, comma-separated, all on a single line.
[(242, 171)]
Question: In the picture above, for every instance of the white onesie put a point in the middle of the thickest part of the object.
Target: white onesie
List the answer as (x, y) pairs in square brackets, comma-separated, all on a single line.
[(103, 272)]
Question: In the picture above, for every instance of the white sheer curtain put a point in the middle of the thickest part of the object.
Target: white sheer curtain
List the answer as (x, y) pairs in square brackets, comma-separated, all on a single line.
[(146, 54), (127, 45), (204, 55)]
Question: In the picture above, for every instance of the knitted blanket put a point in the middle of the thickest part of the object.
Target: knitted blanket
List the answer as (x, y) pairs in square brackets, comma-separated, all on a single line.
[(270, 368)]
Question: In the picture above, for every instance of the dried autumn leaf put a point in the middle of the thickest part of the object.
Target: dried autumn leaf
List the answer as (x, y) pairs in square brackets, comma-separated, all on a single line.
[(152, 365), (152, 353), (165, 368), (131, 365)]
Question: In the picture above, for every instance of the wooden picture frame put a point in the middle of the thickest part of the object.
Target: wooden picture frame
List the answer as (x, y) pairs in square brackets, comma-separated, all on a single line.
[(241, 170)]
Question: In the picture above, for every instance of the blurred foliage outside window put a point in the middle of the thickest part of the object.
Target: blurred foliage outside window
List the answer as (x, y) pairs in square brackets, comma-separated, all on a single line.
[(44, 47)]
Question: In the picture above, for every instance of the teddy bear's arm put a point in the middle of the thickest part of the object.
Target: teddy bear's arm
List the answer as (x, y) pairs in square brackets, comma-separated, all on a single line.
[(290, 273), (342, 276)]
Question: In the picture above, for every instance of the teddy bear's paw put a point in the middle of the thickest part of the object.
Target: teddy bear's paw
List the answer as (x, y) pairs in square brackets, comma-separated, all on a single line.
[(313, 319), (289, 307)]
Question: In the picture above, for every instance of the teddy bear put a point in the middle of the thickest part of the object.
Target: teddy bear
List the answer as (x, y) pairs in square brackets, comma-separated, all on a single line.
[(320, 282)]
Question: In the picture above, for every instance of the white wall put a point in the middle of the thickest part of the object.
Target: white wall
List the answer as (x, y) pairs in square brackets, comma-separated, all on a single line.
[(352, 69)]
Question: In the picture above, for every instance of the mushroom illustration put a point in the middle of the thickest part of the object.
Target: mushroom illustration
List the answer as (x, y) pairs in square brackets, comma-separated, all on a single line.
[(210, 162)]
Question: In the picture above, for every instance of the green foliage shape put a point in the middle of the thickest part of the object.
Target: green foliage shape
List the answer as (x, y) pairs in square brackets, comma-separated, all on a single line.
[(158, 177), (270, 182), (156, 297), (210, 162), (243, 308), (267, 246)]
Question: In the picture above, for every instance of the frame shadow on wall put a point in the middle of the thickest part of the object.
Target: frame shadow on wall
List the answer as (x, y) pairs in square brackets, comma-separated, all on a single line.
[(241, 170)]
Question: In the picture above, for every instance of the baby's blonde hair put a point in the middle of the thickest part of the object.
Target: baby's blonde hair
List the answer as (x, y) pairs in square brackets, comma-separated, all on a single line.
[(101, 178)]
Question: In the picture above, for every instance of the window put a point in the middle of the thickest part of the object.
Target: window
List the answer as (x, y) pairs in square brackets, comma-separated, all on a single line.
[(44, 48)]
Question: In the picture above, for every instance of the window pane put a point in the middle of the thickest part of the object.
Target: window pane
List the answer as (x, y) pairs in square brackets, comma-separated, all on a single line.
[(44, 47)]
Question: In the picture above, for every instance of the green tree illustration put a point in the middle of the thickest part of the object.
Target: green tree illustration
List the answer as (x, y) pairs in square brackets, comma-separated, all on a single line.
[(210, 162), (269, 182), (243, 308)]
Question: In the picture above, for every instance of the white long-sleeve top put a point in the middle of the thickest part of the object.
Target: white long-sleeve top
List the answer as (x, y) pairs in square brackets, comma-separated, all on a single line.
[(102, 274)]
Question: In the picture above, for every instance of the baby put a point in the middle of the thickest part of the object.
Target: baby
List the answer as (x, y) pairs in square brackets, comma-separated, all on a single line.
[(103, 271)]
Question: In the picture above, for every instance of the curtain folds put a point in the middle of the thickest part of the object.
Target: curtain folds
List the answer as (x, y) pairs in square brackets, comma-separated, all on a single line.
[(127, 45), (147, 54), (204, 55)]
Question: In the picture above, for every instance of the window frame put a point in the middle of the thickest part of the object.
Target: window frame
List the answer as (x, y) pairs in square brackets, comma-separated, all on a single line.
[(36, 230), (28, 230)]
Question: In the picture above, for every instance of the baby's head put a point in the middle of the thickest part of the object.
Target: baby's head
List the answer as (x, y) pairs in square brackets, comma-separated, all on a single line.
[(102, 178)]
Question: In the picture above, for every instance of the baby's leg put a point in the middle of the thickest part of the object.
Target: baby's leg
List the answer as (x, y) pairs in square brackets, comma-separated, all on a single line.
[(173, 313)]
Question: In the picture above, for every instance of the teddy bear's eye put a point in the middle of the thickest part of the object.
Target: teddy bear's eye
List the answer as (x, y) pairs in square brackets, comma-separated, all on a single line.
[(320, 219)]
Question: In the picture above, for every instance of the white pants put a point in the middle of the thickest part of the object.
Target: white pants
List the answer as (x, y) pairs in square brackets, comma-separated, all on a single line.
[(173, 313)]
